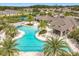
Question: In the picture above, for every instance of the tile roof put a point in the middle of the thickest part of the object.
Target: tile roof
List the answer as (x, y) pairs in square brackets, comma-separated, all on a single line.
[(8, 12), (59, 23)]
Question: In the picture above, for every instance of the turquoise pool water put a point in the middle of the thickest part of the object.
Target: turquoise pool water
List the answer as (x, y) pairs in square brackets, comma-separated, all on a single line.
[(29, 42), (24, 18)]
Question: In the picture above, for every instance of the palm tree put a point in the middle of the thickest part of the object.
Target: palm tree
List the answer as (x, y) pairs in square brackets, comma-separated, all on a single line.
[(8, 47), (1, 27), (30, 18), (55, 47), (74, 54), (42, 13), (42, 24), (2, 24), (70, 53), (10, 31), (50, 13)]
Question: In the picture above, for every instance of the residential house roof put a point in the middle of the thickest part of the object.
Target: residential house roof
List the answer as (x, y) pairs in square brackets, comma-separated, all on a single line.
[(8, 12)]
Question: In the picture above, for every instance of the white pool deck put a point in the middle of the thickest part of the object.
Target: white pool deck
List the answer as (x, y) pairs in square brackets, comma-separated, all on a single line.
[(31, 54)]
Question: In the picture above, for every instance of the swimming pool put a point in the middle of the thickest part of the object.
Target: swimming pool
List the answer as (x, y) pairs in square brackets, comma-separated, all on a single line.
[(23, 18), (29, 42)]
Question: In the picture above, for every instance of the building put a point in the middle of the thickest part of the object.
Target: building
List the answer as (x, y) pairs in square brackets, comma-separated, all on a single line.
[(60, 25), (44, 17), (8, 13)]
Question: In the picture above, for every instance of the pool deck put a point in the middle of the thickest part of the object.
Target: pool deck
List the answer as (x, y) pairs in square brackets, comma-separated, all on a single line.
[(31, 54), (71, 45), (43, 39)]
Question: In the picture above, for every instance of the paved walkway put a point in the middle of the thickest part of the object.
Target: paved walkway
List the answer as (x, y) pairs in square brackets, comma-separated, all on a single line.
[(71, 44)]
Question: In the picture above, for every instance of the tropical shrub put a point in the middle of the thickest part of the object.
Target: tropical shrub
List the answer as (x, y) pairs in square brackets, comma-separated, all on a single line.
[(1, 27), (42, 13), (50, 13), (11, 31), (42, 32), (42, 24), (70, 14), (74, 34), (30, 18)]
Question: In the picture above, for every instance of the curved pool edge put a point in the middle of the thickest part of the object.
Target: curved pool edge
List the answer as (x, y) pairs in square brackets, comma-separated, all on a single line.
[(37, 46), (40, 37), (27, 53), (21, 33)]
